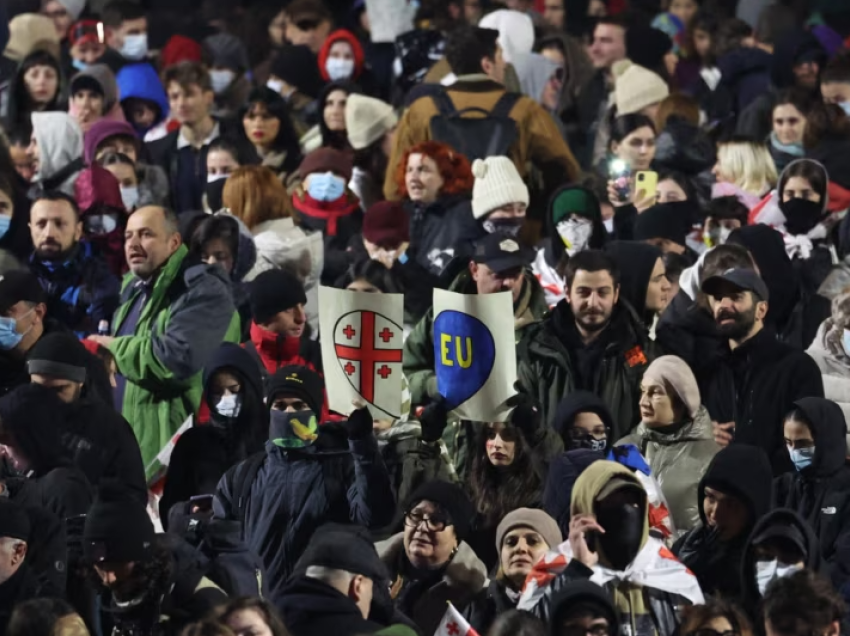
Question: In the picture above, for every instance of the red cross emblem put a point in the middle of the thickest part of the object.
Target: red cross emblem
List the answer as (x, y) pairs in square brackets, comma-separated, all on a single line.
[(453, 629)]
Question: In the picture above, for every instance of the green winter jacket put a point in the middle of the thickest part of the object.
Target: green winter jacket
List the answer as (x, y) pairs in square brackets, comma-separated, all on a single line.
[(546, 371), (188, 315), (418, 362)]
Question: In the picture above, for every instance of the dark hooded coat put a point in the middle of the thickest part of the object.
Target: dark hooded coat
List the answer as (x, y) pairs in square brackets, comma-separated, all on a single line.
[(636, 262)]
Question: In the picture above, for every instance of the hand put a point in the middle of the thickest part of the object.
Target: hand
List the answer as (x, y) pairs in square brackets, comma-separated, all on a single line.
[(359, 424), (614, 196), (434, 419), (382, 425), (580, 525), (103, 341), (525, 416), (723, 433)]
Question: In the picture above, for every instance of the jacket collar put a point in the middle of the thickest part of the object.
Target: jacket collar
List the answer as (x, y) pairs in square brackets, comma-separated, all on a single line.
[(477, 83)]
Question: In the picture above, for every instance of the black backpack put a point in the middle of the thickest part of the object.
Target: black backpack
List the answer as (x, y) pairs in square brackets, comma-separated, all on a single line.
[(475, 137)]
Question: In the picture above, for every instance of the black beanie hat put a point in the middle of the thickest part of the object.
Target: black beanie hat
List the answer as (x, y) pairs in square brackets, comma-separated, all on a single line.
[(118, 528), (14, 520), (299, 382), (647, 46), (59, 355), (274, 291), (298, 66), (669, 221), (451, 498)]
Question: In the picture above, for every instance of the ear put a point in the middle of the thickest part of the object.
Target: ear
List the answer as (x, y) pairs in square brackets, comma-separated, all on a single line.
[(174, 241), (486, 65), (761, 309), (834, 629), (355, 588), (40, 310), (21, 553), (78, 231), (473, 269), (616, 294)]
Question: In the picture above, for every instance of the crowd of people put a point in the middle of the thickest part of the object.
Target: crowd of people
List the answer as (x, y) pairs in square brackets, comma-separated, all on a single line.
[(662, 188)]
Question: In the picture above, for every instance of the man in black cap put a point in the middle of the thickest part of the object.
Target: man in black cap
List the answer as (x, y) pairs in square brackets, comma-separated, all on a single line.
[(309, 475), (18, 583), (758, 379), (99, 439), (23, 320), (334, 584), (582, 607), (279, 331), (499, 264)]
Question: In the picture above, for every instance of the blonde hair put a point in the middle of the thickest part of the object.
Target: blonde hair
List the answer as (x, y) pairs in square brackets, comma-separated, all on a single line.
[(748, 165), (254, 195)]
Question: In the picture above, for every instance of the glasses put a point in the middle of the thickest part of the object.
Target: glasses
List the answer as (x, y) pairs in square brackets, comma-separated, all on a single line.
[(434, 523)]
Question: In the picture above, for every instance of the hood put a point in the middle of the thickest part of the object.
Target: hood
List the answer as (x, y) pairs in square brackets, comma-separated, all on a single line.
[(103, 130), (345, 36), (816, 165), (103, 78), (141, 81), (516, 31), (743, 61), (689, 278), (579, 591), (574, 200), (829, 430), (96, 186), (580, 402), (60, 141), (834, 156), (232, 356), (534, 72), (743, 471), (281, 244), (246, 251), (792, 47), (563, 473), (636, 262)]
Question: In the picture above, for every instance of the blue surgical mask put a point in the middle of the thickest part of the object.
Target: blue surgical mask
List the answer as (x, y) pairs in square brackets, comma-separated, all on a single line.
[(221, 79), (135, 47), (845, 340), (229, 405), (130, 197), (845, 106), (79, 65), (5, 222), (339, 68), (326, 186), (802, 457), (9, 336)]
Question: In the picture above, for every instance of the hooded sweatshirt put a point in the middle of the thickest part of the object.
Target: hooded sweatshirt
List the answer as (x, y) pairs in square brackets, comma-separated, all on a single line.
[(60, 151), (636, 262), (102, 78), (142, 82), (534, 72)]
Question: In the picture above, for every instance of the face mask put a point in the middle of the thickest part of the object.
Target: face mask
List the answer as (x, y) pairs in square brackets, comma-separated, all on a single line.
[(293, 430), (586, 440), (9, 336), (274, 85), (723, 234), (212, 178), (5, 222), (623, 527), (97, 224), (801, 215), (339, 68), (767, 571), (575, 233), (845, 106), (79, 65), (135, 47), (229, 405), (845, 340), (326, 186), (802, 457), (130, 197), (508, 227), (384, 255), (221, 79)]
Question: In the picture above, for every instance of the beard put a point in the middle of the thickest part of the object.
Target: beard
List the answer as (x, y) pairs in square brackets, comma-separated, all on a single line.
[(742, 325), (52, 251), (582, 320)]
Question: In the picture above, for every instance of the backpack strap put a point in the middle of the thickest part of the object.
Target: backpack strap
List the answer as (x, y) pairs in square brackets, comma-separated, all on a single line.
[(444, 103), (242, 482), (505, 105)]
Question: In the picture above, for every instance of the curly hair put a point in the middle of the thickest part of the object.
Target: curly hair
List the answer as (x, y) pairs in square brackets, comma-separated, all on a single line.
[(454, 167)]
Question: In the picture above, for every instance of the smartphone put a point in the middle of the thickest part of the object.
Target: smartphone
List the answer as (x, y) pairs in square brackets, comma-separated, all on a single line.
[(621, 174), (591, 538), (647, 180), (200, 503)]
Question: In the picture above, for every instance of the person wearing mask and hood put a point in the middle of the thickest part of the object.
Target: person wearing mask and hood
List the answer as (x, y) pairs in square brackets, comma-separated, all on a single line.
[(574, 223), (819, 488), (143, 100), (610, 545), (541, 79), (341, 59), (831, 351), (499, 197), (94, 96), (643, 278), (732, 496), (103, 215), (674, 435), (228, 59), (56, 151), (238, 428)]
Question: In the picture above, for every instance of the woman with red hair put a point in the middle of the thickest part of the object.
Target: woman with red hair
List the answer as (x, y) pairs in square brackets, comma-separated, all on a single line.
[(436, 183)]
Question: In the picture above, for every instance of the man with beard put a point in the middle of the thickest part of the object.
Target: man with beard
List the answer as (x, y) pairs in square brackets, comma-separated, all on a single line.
[(758, 379), (81, 291), (593, 340)]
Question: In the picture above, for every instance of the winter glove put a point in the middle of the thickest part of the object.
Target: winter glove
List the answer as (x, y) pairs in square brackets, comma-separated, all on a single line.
[(525, 417), (359, 424), (433, 419)]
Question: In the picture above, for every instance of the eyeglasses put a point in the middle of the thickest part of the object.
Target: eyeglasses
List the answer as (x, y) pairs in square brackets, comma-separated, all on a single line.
[(434, 523)]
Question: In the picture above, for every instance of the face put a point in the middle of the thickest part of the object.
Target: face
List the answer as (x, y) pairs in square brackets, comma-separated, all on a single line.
[(29, 321), (428, 538), (668, 191), (22, 160), (121, 145), (42, 84), (364, 286), (685, 10), (148, 241), (422, 179), (223, 384), (500, 445), (341, 50), (495, 68), (68, 392), (12, 555), (189, 105), (89, 106), (609, 45), (800, 188), (125, 174), (788, 124), (521, 549), (657, 404), (489, 281), (736, 313), (142, 114), (592, 297), (806, 74), (220, 162), (584, 625), (88, 51), (658, 290), (797, 435), (553, 13), (288, 323), (725, 512), (471, 11), (117, 577), (552, 91), (248, 622), (261, 127), (835, 92), (216, 251), (277, 29), (289, 404), (62, 20), (115, 37), (702, 43), (335, 110), (54, 227), (637, 149), (7, 207)]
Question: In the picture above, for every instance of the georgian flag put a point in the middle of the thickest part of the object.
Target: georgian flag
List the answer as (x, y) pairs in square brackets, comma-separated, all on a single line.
[(453, 624)]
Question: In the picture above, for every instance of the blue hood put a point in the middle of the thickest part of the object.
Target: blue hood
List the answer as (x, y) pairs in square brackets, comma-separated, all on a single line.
[(142, 81)]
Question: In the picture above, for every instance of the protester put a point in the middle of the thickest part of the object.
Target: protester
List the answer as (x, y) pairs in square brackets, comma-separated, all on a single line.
[(94, 96), (269, 129), (56, 151), (744, 168), (43, 616), (370, 125), (717, 615), (249, 615), (831, 351), (804, 598), (790, 111), (36, 88), (228, 59), (18, 583), (643, 278)]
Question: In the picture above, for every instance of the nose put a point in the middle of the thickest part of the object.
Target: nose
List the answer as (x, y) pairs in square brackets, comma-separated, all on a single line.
[(644, 400), (299, 315)]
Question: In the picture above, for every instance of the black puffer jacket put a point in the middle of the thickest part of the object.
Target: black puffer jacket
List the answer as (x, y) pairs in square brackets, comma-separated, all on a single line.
[(687, 330), (636, 261)]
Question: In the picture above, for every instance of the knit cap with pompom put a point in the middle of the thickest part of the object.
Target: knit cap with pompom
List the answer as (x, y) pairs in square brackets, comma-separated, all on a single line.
[(497, 183), (636, 87)]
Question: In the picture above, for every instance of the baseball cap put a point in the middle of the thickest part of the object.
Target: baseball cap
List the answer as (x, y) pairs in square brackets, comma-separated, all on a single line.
[(501, 253), (742, 279), (18, 285)]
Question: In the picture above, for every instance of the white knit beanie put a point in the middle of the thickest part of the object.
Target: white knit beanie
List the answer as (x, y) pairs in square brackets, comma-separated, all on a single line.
[(636, 87), (367, 119), (497, 183)]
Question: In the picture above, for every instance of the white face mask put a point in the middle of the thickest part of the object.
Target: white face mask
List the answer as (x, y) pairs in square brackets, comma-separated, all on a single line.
[(212, 178), (135, 47), (274, 85), (229, 405), (724, 234), (767, 571), (221, 80), (339, 68), (575, 232), (130, 197)]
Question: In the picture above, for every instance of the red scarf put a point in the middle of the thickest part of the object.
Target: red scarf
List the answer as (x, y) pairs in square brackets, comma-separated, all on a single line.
[(329, 211)]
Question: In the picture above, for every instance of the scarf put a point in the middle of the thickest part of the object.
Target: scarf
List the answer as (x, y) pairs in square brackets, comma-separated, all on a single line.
[(329, 211), (795, 150), (802, 245)]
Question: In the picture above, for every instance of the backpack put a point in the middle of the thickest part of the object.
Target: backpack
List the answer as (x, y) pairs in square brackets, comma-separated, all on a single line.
[(475, 137)]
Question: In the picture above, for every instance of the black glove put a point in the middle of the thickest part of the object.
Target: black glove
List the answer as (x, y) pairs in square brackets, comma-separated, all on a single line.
[(525, 416), (433, 419), (359, 424)]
